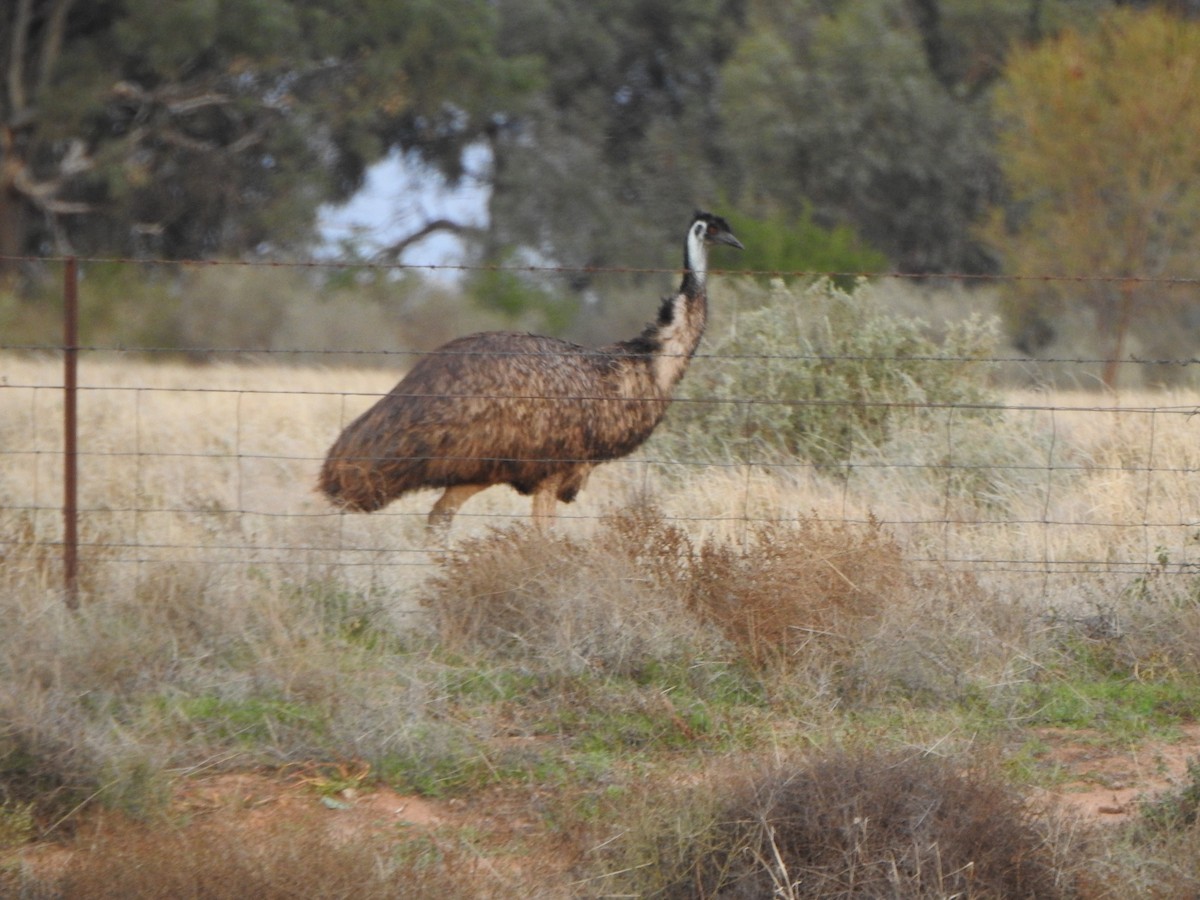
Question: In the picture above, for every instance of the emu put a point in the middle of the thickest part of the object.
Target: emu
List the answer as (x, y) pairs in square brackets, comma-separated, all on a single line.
[(533, 412)]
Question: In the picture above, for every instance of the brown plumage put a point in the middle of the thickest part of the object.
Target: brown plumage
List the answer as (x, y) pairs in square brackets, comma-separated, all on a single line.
[(533, 412)]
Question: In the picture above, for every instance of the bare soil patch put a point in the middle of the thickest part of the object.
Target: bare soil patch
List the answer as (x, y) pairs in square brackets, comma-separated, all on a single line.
[(1105, 782)]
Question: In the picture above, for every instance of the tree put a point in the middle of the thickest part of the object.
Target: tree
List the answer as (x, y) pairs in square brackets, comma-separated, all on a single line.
[(621, 144), (193, 127), (1097, 142), (849, 105)]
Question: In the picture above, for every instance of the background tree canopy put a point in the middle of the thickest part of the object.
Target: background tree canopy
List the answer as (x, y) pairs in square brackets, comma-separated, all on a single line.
[(843, 107), (867, 128), (1098, 143), (194, 127)]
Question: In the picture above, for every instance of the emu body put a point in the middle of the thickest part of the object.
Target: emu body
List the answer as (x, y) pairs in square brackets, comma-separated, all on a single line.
[(533, 412)]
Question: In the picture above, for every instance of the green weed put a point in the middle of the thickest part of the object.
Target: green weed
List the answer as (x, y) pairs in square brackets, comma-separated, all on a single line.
[(1123, 708), (253, 721)]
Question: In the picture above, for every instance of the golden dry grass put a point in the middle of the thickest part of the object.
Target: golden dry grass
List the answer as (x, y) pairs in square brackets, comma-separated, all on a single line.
[(215, 464)]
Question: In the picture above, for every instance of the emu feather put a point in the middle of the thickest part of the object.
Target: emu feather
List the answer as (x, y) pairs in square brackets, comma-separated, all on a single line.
[(533, 412)]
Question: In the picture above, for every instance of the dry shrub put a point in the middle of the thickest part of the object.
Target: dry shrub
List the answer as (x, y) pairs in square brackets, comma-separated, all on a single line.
[(567, 603), (272, 860), (187, 666), (871, 824), (1154, 627), (796, 587), (946, 640), (642, 588)]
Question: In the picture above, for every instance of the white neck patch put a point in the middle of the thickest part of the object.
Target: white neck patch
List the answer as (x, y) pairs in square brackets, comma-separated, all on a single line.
[(697, 252)]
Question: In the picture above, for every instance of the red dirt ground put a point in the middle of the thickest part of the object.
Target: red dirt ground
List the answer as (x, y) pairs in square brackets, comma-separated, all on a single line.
[(1102, 784), (1106, 782)]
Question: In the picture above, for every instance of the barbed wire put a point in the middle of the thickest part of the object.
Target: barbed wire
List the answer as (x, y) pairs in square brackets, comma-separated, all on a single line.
[(997, 406), (765, 463), (214, 351), (741, 519), (560, 269), (976, 564)]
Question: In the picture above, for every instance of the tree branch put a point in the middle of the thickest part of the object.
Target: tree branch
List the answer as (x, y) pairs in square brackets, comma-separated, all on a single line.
[(52, 44), (394, 250), (42, 194), (16, 59), (191, 104)]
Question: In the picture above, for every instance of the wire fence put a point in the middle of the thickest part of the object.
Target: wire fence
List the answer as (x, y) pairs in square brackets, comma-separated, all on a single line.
[(141, 464)]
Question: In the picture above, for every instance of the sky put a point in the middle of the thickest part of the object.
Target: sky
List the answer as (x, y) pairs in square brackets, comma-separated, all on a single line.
[(399, 196)]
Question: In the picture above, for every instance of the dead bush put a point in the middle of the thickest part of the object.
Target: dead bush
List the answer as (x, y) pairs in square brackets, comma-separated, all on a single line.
[(794, 587), (641, 587), (613, 603), (870, 824)]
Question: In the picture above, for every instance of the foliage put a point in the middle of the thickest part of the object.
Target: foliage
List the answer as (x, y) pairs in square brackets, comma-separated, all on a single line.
[(522, 298), (619, 145), (356, 315), (514, 593), (800, 592), (590, 685), (1123, 708), (792, 594), (1095, 147), (836, 105), (868, 114), (814, 375), (586, 718), (784, 244), (279, 859), (187, 129), (1178, 809)]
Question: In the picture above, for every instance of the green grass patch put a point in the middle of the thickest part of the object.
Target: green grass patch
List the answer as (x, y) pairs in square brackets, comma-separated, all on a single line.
[(1122, 707), (437, 760), (250, 721)]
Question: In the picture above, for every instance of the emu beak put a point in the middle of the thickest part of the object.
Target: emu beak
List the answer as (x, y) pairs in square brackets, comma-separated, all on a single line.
[(726, 238)]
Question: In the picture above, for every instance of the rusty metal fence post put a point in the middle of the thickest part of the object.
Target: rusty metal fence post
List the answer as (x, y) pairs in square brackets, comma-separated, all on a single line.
[(70, 433)]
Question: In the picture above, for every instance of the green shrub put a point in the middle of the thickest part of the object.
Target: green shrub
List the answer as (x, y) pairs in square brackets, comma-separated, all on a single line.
[(816, 374), (523, 299), (783, 243)]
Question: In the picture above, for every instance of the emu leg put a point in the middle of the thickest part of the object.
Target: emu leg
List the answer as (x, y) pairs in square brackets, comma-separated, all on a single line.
[(544, 504), (452, 498)]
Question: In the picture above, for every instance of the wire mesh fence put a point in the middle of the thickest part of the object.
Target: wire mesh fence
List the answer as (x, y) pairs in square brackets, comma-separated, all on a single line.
[(212, 468)]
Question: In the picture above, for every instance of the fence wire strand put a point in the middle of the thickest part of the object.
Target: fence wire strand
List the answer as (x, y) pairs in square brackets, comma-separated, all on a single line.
[(223, 494)]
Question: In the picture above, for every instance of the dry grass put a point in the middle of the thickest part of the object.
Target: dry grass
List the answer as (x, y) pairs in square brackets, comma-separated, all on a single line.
[(232, 619), (790, 591), (215, 465), (273, 860), (613, 603)]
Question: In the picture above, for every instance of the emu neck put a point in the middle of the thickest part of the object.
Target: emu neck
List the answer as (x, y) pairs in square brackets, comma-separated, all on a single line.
[(682, 319), (666, 346), (695, 266), (680, 327)]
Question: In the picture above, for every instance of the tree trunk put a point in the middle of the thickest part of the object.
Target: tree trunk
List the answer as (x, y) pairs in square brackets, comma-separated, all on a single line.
[(12, 223), (1119, 329)]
